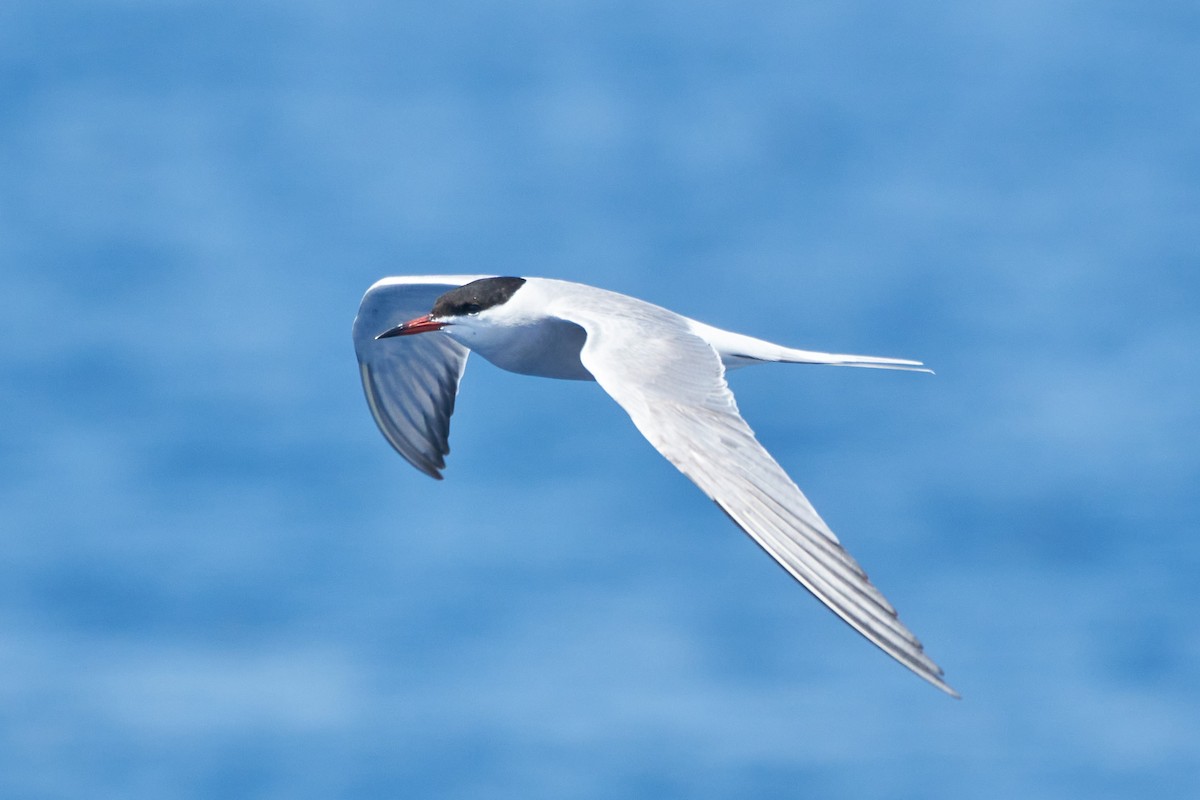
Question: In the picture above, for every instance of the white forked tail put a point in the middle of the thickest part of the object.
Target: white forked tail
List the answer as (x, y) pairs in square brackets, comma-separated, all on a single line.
[(739, 350), (793, 356)]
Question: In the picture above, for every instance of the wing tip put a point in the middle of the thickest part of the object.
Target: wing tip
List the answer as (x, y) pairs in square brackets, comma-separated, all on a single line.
[(920, 664), (433, 470), (937, 681)]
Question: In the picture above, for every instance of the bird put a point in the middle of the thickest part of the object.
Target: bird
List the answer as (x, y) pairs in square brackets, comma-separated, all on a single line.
[(412, 336)]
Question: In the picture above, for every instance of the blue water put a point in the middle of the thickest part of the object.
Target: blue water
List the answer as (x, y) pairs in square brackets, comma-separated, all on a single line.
[(218, 581)]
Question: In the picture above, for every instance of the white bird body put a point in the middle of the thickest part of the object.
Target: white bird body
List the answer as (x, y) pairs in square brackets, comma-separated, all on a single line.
[(667, 371)]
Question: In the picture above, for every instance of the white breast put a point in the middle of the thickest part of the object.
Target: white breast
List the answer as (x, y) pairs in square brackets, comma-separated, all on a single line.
[(546, 347)]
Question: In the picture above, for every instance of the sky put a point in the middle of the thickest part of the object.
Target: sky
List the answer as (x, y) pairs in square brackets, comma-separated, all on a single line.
[(218, 580)]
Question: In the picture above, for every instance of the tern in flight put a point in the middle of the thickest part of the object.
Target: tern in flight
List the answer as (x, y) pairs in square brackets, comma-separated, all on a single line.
[(412, 336)]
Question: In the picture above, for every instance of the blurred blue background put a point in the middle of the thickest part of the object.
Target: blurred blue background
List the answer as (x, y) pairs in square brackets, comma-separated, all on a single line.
[(218, 581)]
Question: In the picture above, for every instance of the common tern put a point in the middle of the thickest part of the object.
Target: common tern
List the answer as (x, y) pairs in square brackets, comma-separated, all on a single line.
[(665, 370)]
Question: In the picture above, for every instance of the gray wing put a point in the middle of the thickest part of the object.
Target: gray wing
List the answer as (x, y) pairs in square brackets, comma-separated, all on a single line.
[(672, 384), (410, 381)]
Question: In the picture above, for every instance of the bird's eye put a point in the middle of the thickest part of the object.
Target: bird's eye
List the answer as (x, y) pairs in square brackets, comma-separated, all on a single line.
[(472, 308)]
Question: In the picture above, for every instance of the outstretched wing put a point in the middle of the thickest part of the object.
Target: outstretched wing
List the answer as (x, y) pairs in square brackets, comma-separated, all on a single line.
[(410, 381), (672, 384)]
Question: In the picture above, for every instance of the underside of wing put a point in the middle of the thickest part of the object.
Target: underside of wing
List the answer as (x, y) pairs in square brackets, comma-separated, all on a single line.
[(671, 382), (410, 382)]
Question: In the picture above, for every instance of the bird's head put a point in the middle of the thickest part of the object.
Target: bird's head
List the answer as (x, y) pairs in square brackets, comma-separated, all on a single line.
[(460, 307)]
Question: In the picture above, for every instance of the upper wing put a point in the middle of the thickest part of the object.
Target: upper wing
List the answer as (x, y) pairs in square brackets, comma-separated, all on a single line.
[(672, 384), (410, 381)]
